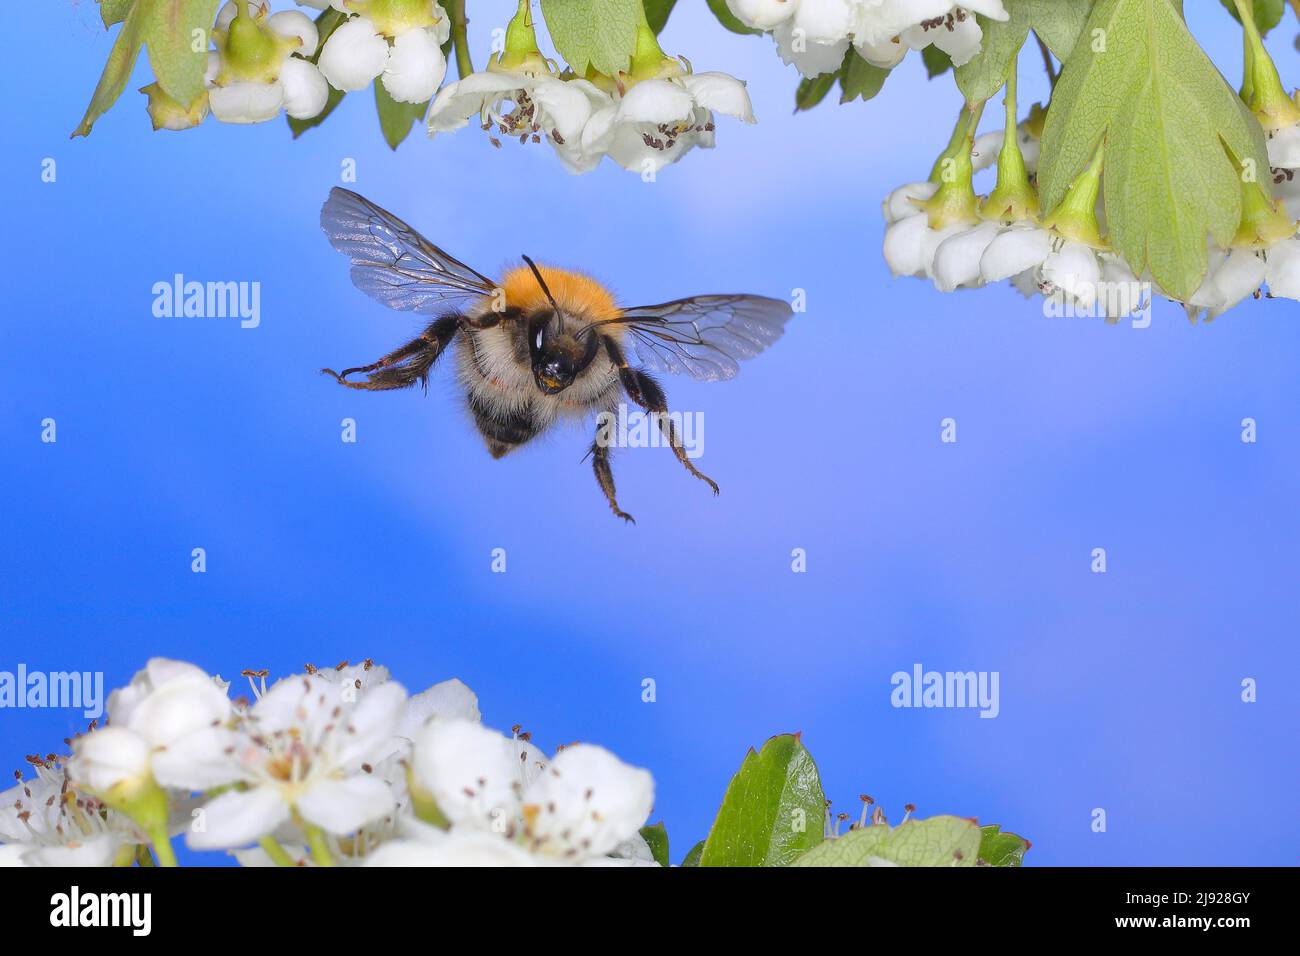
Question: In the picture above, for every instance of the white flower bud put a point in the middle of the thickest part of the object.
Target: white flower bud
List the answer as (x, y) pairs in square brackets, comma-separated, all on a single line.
[(415, 66), (353, 55), (291, 23), (246, 102), (305, 90), (108, 758)]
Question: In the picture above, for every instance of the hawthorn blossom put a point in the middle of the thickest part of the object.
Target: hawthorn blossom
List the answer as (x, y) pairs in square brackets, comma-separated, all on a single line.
[(580, 807), (43, 822), (814, 35), (305, 752), (259, 66), (657, 121), (399, 43), (168, 724), (525, 106)]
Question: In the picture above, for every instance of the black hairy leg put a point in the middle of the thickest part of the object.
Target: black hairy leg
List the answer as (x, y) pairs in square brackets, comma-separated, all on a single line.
[(403, 367), (645, 391), (605, 476)]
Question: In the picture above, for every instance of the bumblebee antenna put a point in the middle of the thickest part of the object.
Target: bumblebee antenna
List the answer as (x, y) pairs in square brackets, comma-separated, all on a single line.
[(559, 318)]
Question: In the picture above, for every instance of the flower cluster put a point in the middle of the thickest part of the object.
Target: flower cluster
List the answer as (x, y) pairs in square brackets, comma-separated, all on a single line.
[(327, 767), (815, 35), (642, 119), (942, 231)]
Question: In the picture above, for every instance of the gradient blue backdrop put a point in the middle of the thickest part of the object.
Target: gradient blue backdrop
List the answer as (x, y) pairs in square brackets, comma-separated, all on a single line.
[(1119, 691)]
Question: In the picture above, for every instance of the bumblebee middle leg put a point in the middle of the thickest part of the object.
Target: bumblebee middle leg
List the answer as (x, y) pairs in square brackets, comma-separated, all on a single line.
[(403, 367), (645, 391)]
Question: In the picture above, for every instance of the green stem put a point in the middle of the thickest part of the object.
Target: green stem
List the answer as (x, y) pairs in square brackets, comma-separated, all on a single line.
[(958, 134), (162, 846), (1013, 198), (276, 852), (1268, 99), (460, 37), (320, 851)]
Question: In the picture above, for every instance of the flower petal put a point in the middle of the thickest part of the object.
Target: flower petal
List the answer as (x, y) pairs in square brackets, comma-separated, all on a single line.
[(343, 806), (353, 55), (237, 818), (415, 67)]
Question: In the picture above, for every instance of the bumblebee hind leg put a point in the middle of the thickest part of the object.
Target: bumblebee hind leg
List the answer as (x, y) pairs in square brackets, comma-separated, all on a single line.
[(403, 367), (605, 477)]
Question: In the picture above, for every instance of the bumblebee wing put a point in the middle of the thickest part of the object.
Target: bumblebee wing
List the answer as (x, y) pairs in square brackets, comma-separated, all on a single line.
[(391, 262), (706, 335)]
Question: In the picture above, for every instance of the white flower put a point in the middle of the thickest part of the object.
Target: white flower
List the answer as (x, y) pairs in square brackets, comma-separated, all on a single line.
[(658, 121), (412, 65), (957, 258), (168, 723), (1019, 249), (884, 30), (762, 14), (910, 243), (582, 805), (45, 823), (306, 749), (524, 106), (415, 66), (1284, 147), (249, 80), (816, 37), (905, 200), (353, 55)]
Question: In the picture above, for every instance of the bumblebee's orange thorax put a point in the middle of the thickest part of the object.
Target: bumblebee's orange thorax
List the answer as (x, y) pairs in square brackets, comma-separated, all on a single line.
[(574, 292)]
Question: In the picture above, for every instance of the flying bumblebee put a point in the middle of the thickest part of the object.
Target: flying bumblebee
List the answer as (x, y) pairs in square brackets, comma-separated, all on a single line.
[(542, 343)]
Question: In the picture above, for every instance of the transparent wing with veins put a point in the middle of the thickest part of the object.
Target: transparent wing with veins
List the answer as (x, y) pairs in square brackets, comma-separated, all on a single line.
[(706, 335), (394, 264)]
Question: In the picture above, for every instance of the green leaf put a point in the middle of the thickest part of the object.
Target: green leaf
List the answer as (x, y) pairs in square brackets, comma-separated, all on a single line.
[(772, 811), (1058, 22), (1001, 849), (693, 857), (396, 119), (812, 91), (728, 19), (656, 13), (596, 33), (860, 79), (121, 61), (938, 841), (984, 74), (176, 35), (114, 11), (657, 837), (1268, 13), (936, 61), (1143, 84)]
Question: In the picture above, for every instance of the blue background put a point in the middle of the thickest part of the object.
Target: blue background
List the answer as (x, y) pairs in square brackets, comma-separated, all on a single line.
[(1119, 691)]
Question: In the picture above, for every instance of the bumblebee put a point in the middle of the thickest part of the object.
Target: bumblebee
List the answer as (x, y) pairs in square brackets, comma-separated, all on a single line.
[(542, 344)]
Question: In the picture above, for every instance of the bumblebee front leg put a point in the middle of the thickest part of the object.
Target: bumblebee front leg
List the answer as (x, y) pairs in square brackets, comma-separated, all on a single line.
[(403, 367), (645, 391), (605, 476)]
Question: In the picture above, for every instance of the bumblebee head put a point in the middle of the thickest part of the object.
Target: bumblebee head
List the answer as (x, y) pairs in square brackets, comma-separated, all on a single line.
[(557, 349)]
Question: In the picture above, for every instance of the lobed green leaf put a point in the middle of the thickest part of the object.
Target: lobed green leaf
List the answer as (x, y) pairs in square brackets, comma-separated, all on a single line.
[(938, 841), (1141, 84), (593, 33)]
